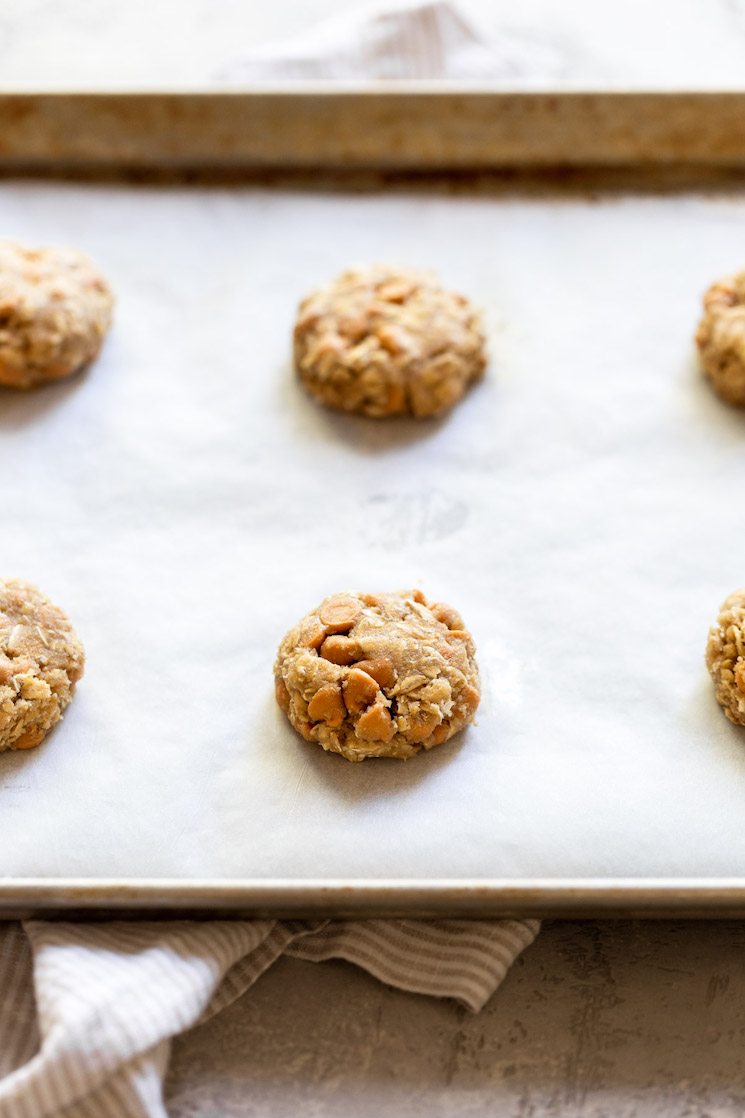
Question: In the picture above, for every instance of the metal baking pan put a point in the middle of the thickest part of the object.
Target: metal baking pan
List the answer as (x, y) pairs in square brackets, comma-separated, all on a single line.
[(620, 796)]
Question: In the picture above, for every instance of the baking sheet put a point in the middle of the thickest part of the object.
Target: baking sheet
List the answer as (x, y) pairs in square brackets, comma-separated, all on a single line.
[(186, 503)]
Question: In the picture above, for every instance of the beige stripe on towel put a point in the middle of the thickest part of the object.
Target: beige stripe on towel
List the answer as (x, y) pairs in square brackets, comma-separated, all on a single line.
[(92, 1033)]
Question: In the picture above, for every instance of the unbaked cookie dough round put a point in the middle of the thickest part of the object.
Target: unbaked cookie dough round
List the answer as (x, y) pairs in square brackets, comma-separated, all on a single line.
[(41, 660), (385, 341), (725, 656), (378, 675), (55, 309), (721, 337)]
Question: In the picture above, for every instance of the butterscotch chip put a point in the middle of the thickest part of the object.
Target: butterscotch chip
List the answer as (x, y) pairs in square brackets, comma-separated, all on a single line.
[(41, 660), (282, 695), (447, 615), (340, 650), (314, 634), (721, 337), (55, 309), (470, 698), (327, 705), (376, 725), (385, 341), (419, 729), (440, 733), (340, 615), (381, 670), (29, 740), (360, 690), (397, 681)]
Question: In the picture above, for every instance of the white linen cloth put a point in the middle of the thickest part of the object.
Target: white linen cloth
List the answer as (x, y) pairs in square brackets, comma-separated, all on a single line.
[(424, 41), (87, 1011), (90, 1036)]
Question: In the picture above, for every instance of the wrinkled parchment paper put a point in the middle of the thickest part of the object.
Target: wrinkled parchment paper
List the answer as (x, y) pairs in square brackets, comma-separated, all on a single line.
[(186, 503)]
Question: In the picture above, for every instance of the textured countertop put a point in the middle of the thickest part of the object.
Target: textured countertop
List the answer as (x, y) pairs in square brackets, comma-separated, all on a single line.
[(596, 1018)]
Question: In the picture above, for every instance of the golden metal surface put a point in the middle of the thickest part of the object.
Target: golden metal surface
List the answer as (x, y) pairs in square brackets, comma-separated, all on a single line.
[(409, 125), (619, 898)]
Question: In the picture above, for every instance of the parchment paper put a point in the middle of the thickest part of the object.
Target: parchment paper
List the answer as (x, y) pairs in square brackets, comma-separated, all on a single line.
[(186, 503)]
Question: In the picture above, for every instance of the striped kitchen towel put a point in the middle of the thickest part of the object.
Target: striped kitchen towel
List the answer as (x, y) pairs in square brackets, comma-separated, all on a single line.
[(87, 1011), (425, 40)]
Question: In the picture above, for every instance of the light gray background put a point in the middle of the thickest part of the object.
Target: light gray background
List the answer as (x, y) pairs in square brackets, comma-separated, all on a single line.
[(596, 1020)]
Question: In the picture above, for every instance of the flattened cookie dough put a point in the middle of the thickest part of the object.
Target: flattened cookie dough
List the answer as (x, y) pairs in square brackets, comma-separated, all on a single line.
[(384, 341), (725, 656), (55, 309), (378, 675), (721, 337), (41, 660)]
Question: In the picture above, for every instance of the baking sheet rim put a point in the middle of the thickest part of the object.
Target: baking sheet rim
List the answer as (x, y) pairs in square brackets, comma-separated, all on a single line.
[(560, 898), (429, 125)]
